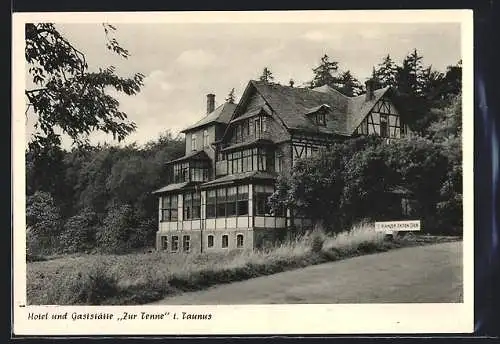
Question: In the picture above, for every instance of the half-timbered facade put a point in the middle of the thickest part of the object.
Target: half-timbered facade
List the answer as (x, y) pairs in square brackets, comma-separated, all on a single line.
[(216, 196)]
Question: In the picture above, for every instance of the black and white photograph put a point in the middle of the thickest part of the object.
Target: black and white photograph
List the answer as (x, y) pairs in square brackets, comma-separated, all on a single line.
[(200, 170)]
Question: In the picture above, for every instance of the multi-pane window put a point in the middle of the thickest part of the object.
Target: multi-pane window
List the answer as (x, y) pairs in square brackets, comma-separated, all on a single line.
[(321, 119), (242, 200), (186, 243), (194, 171), (211, 203), (249, 128), (169, 208), (206, 138), (225, 241), (175, 243), (210, 241), (262, 193), (231, 201), (239, 241), (181, 172), (261, 201), (253, 159), (192, 205), (221, 203), (193, 142)]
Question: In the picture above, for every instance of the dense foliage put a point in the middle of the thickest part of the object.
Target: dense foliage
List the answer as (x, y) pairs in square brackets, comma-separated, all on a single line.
[(99, 198), (66, 95), (361, 179)]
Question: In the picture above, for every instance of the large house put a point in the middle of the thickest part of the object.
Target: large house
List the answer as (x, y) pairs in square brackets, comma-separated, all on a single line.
[(217, 194)]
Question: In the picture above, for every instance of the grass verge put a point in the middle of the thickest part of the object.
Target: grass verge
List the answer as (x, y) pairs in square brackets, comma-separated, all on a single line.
[(143, 278)]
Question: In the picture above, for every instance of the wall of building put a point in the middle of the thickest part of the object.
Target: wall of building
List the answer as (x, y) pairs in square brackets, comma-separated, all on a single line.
[(211, 130)]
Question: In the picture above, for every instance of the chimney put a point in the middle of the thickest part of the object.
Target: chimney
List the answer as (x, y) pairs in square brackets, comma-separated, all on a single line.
[(210, 103), (369, 90)]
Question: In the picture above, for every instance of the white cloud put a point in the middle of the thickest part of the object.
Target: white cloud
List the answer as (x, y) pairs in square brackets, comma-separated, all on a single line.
[(196, 58), (371, 33), (316, 36)]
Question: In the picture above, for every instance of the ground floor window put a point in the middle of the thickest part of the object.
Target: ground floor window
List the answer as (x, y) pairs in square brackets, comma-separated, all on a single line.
[(262, 193), (210, 241), (225, 241), (175, 243), (192, 205), (239, 241), (169, 208), (186, 243), (164, 243), (228, 201)]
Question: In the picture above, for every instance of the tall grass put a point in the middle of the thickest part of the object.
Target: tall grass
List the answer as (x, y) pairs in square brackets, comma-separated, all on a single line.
[(142, 278)]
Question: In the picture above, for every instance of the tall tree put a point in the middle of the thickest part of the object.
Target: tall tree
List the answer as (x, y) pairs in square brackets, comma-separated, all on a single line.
[(386, 72), (411, 75), (67, 95), (231, 97), (325, 73), (349, 85), (267, 75)]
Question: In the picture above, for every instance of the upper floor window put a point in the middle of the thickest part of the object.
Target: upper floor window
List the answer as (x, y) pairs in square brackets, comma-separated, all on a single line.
[(321, 119), (253, 159), (260, 126), (206, 138), (193, 142), (194, 171)]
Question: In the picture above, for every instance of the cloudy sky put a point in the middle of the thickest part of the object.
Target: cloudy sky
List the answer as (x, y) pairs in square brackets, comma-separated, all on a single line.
[(184, 62)]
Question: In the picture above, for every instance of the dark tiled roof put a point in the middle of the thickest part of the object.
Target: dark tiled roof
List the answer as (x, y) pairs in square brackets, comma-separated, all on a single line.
[(194, 155), (229, 179), (171, 187), (293, 104), (222, 114)]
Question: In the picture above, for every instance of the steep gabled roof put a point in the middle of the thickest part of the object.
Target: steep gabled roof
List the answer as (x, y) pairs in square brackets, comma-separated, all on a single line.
[(292, 105), (222, 114), (359, 107)]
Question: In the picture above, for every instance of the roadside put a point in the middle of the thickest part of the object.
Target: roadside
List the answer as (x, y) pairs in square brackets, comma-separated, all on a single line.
[(431, 273)]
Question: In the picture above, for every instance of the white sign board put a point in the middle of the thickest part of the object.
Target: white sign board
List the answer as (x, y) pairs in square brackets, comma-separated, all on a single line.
[(397, 226)]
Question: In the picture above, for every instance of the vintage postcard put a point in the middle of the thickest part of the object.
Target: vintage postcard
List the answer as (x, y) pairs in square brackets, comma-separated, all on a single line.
[(232, 173)]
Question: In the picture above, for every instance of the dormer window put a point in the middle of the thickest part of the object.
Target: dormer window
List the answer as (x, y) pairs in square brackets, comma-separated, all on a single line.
[(321, 119), (318, 114)]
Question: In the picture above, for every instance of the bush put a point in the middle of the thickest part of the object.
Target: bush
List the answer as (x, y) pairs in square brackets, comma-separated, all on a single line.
[(317, 238), (117, 233), (79, 232)]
